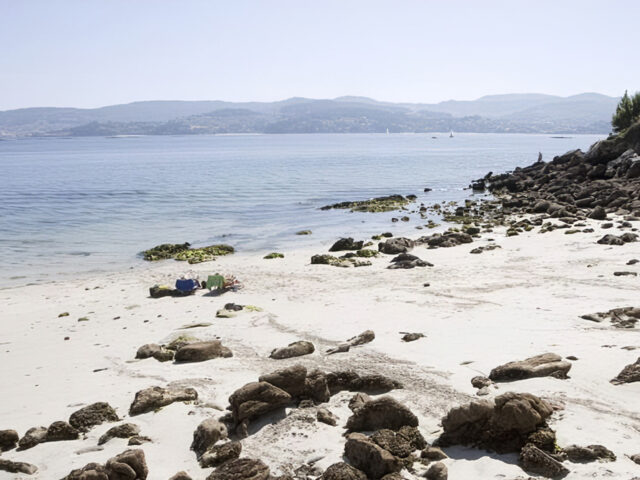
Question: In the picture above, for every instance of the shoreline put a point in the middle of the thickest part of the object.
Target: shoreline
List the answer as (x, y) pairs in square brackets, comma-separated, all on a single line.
[(507, 304)]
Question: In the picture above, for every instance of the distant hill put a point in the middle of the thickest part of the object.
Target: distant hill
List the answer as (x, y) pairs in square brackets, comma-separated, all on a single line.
[(527, 113)]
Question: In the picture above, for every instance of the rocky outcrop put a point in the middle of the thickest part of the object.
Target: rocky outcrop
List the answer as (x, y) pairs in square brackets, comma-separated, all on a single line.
[(60, 431), (502, 425), (346, 244), (367, 456), (629, 374), (17, 467), (445, 240), (219, 454), (153, 398), (129, 465), (545, 365), (373, 205), (202, 351), (8, 440), (206, 435), (92, 415), (241, 469), (295, 349), (256, 399), (383, 412), (625, 317), (397, 245)]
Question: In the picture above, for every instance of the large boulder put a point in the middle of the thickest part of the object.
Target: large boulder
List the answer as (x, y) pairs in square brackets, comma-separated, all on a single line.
[(397, 245), (545, 365), (395, 443), (255, 399), (129, 465), (342, 471), (153, 350), (291, 380), (437, 471), (206, 435), (153, 398), (58, 431), (629, 374), (295, 349), (241, 469), (534, 460), (383, 412), (202, 351), (369, 457), (502, 425), (92, 415), (32, 437)]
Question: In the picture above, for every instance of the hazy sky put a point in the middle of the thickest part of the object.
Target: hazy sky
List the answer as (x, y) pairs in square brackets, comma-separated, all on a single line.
[(88, 53)]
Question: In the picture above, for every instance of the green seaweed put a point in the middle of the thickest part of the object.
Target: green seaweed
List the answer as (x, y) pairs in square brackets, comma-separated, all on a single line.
[(374, 205), (164, 251), (273, 255)]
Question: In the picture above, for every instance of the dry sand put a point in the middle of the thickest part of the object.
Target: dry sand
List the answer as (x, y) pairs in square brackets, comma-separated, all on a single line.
[(507, 304)]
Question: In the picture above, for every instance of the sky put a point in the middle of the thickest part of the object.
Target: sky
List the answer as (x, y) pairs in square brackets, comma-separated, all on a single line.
[(90, 53)]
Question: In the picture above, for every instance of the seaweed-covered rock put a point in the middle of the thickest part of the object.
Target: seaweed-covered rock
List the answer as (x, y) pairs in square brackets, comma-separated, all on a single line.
[(346, 244), (241, 469), (295, 349), (397, 245), (502, 425), (164, 251), (272, 255), (369, 457), (92, 415), (629, 374), (202, 351), (154, 398), (383, 412), (204, 254), (545, 365), (377, 204)]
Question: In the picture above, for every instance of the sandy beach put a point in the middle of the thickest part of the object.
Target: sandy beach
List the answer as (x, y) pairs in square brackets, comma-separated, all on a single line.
[(478, 312)]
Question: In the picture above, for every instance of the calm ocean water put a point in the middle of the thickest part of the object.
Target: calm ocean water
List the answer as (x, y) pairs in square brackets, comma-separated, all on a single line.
[(92, 204)]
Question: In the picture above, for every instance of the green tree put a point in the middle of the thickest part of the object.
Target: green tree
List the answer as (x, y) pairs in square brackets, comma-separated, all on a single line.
[(627, 112)]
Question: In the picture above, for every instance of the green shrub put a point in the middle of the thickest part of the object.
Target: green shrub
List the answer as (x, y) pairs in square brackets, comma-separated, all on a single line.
[(627, 112)]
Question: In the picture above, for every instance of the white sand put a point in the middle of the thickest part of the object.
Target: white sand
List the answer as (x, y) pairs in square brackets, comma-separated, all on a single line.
[(501, 305)]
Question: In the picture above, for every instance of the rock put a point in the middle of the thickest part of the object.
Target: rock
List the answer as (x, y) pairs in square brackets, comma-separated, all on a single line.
[(91, 471), (350, 380), (437, 471), (406, 260), (152, 350), (625, 317), (181, 476), (291, 380), (32, 437), (241, 469), (153, 398), (126, 430), (480, 382), (378, 204), (590, 453), (342, 471), (325, 416), (295, 349), (545, 439), (501, 425), (621, 240), (373, 460), (129, 465), (534, 460), (219, 454), (635, 458), (396, 444), (58, 431), (598, 213), (383, 412), (545, 365), (413, 435), (358, 401), (255, 399), (394, 246), (138, 440), (365, 337), (202, 351), (18, 467), (8, 440), (346, 244), (92, 415), (412, 337), (433, 453), (316, 386), (206, 435), (629, 374)]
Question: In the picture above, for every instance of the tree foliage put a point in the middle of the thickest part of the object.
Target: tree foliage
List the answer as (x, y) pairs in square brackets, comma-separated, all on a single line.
[(627, 112)]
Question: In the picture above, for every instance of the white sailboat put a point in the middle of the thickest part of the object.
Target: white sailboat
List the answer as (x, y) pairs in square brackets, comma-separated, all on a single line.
[(387, 131)]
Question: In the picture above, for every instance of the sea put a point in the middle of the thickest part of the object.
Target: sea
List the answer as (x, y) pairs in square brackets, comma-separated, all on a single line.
[(85, 205)]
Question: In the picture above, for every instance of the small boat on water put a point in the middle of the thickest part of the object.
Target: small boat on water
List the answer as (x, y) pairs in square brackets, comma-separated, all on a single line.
[(451, 134)]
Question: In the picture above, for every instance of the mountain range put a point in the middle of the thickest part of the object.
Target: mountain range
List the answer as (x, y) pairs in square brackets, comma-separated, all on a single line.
[(514, 113)]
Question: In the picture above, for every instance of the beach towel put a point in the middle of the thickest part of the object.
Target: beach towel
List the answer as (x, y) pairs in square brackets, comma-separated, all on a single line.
[(187, 284), (215, 281)]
